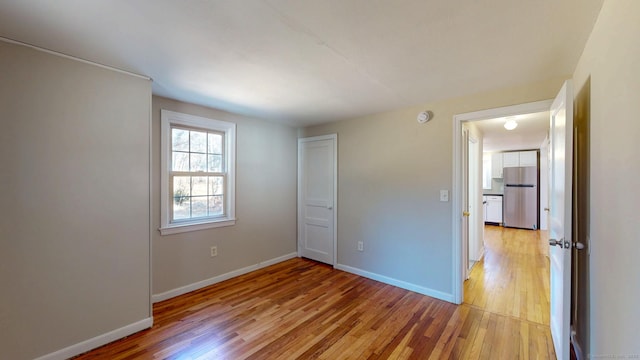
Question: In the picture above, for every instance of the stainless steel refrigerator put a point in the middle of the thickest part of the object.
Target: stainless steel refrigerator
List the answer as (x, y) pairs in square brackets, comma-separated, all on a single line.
[(521, 197)]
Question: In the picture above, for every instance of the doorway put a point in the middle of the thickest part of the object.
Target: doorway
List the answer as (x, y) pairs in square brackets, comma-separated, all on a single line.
[(459, 248), (512, 277), (560, 212)]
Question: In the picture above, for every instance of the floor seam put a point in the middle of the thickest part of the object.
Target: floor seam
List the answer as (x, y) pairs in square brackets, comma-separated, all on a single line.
[(505, 315)]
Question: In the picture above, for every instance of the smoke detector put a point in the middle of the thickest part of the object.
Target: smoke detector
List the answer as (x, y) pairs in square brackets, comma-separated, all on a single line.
[(424, 116)]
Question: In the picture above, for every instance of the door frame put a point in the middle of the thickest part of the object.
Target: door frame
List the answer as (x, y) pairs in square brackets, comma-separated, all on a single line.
[(334, 138), (456, 194)]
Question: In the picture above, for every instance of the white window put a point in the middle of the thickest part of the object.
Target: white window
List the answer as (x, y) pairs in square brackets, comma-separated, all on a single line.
[(198, 173)]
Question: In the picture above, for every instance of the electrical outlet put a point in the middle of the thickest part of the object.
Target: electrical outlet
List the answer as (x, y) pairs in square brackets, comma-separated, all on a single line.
[(214, 251), (360, 246)]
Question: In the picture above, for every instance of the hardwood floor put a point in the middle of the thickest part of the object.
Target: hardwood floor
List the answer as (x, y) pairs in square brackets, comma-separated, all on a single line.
[(300, 309), (513, 277)]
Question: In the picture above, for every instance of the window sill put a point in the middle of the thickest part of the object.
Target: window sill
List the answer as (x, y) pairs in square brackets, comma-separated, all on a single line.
[(181, 228)]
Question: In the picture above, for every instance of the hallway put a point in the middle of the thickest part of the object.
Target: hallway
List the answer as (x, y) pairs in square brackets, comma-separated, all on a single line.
[(510, 288)]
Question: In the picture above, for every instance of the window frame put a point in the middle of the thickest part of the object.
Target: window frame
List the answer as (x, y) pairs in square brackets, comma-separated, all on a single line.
[(169, 119)]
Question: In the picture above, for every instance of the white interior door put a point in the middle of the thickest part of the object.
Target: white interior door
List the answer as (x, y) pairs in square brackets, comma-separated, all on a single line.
[(465, 203), (317, 189), (474, 207), (561, 157)]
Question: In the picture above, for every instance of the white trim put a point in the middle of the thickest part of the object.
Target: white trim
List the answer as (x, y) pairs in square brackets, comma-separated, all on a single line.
[(456, 215), (512, 110), (151, 212), (216, 279), (333, 137), (167, 118), (71, 57), (180, 228), (397, 283), (98, 341)]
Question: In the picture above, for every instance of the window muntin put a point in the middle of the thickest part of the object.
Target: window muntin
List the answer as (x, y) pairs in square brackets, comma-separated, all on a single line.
[(197, 180)]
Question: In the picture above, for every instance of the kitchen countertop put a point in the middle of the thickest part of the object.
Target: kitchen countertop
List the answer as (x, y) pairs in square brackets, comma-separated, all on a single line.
[(492, 194)]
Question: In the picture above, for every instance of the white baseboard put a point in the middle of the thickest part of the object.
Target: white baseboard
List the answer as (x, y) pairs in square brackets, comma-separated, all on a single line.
[(216, 279), (480, 254), (98, 341), (398, 283)]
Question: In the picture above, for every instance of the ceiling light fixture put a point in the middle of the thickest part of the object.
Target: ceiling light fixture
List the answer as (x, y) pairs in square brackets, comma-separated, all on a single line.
[(510, 124)]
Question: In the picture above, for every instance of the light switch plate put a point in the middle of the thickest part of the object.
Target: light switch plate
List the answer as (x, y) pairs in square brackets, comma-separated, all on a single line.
[(444, 195)]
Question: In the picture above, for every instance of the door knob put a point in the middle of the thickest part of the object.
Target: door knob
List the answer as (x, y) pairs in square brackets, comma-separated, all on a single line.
[(578, 245), (546, 209), (329, 207), (466, 213)]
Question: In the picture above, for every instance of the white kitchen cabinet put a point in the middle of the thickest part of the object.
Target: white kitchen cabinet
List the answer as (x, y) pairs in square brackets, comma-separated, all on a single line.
[(528, 158), (494, 209), (496, 165), (520, 158), (510, 159)]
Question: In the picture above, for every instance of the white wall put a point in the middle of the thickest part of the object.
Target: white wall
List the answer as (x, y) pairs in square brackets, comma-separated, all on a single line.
[(390, 172), (74, 220), (266, 170), (611, 61)]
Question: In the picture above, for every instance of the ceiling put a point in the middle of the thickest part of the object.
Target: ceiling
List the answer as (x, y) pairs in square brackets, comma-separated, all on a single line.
[(531, 131), (304, 62)]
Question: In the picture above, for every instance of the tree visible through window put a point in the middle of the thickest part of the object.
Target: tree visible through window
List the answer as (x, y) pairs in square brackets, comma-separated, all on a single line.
[(199, 178)]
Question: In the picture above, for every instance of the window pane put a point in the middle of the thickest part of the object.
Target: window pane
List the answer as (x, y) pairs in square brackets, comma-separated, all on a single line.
[(215, 163), (180, 161), (181, 197), (181, 212), (215, 205), (198, 142), (198, 206), (215, 143), (198, 162), (180, 140), (216, 185), (181, 186), (198, 186)]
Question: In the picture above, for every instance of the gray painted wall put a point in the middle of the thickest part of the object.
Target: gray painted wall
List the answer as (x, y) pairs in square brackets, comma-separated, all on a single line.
[(74, 223), (266, 182), (390, 172), (611, 63)]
